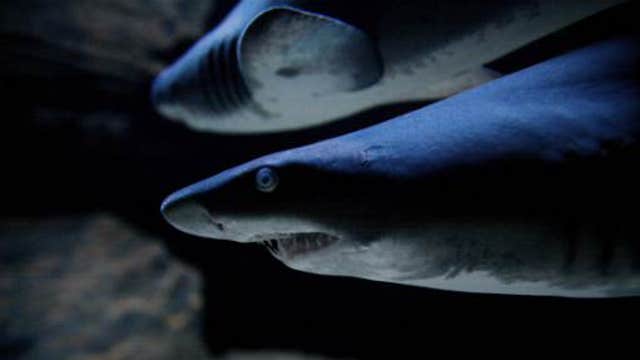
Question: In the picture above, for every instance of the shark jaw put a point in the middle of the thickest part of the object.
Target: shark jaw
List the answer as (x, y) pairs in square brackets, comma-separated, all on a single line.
[(286, 246), (288, 238), (491, 255)]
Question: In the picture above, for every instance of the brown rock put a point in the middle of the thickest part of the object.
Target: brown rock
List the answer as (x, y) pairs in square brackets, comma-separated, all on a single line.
[(118, 38), (92, 287)]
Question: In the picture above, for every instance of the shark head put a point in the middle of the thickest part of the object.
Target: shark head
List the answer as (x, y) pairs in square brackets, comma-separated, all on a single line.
[(313, 215), (264, 59)]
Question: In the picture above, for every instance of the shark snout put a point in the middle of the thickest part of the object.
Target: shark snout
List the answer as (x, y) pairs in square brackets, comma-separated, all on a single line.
[(161, 95), (192, 217)]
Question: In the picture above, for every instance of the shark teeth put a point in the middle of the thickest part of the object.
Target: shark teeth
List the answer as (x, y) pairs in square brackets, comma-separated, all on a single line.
[(272, 246), (291, 245)]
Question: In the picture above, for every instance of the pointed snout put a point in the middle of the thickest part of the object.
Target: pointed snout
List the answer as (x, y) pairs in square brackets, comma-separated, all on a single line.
[(161, 97), (191, 217)]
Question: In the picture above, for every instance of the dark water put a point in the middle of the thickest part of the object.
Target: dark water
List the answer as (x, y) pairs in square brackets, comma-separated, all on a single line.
[(76, 140)]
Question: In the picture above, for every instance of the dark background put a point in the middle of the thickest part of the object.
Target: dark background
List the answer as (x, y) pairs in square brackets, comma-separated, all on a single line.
[(78, 135)]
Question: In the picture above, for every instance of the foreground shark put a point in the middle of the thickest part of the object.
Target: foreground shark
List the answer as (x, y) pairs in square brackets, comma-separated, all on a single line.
[(275, 65), (524, 185)]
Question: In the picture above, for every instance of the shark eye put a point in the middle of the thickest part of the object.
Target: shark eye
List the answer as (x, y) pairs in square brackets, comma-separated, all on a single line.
[(266, 180)]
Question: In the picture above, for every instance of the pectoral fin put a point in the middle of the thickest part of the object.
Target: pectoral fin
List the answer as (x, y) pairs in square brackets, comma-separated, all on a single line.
[(299, 54)]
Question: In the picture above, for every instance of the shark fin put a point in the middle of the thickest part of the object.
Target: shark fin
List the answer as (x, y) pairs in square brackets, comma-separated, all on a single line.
[(297, 53)]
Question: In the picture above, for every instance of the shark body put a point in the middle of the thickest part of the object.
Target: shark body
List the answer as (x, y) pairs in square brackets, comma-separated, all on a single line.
[(525, 185), (278, 65)]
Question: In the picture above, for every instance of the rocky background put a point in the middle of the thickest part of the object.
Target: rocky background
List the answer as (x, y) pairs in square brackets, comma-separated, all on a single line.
[(88, 268), (92, 287)]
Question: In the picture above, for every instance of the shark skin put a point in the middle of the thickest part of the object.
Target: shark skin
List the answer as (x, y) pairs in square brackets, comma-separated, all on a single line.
[(524, 185), (279, 65)]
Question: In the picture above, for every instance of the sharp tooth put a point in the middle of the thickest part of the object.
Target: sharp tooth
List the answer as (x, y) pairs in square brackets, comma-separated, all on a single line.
[(272, 246)]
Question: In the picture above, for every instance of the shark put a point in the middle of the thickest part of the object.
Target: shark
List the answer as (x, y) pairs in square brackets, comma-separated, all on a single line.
[(281, 65), (524, 185)]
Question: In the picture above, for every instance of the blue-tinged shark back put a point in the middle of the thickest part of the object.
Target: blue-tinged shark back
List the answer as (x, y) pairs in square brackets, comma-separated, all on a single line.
[(570, 105)]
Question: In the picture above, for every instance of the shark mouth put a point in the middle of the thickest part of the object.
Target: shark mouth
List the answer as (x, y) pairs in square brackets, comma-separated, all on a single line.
[(287, 246)]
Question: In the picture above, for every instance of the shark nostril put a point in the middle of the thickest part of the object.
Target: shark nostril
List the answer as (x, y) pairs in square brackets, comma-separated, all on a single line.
[(266, 180)]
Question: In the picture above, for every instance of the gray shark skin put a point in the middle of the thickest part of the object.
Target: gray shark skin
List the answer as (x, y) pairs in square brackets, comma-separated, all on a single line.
[(277, 65), (524, 185)]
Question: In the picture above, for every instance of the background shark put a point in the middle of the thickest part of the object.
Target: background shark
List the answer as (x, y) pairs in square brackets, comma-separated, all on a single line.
[(281, 65), (513, 187)]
